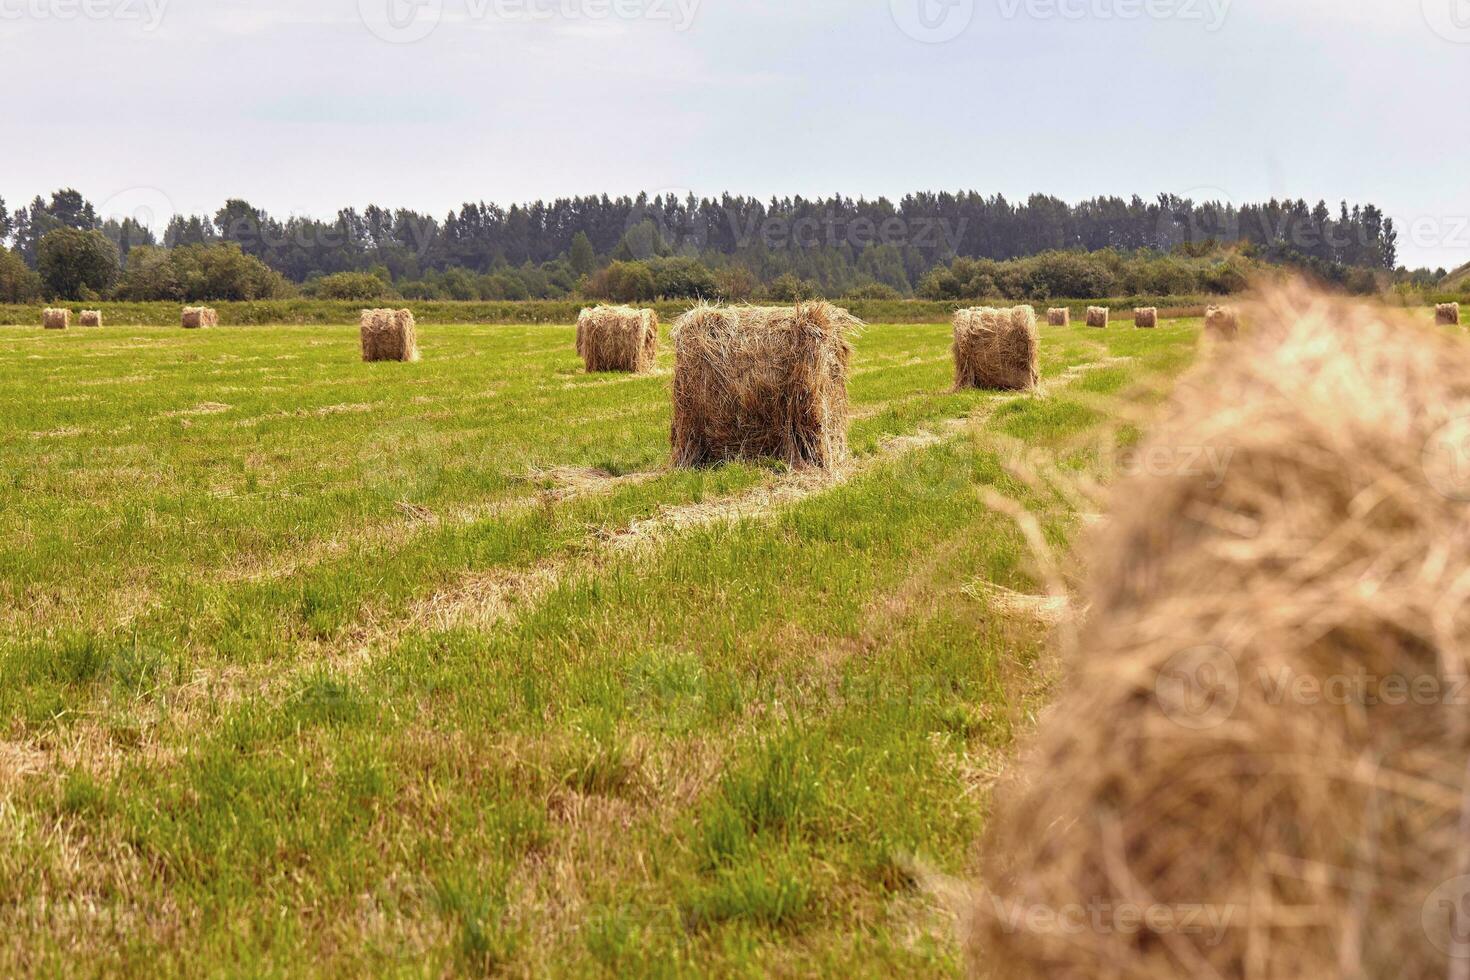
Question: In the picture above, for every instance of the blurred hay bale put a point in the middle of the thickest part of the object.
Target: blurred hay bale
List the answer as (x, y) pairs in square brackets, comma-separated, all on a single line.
[(997, 348), (90, 318), (1447, 314), (617, 338), (1222, 322), (1257, 765), (53, 319), (1097, 316), (1146, 318), (196, 317), (389, 335), (1059, 317), (760, 382)]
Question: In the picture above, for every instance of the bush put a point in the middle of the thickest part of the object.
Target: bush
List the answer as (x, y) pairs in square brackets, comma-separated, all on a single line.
[(624, 282), (353, 286), (873, 290), (200, 273), (787, 288), (683, 278)]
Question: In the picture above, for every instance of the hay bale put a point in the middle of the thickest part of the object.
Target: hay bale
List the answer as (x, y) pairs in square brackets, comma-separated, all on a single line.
[(1146, 318), (617, 338), (1203, 765), (757, 382), (1447, 314), (1059, 317), (196, 317), (389, 335), (1222, 322), (1097, 316), (53, 319), (90, 318), (997, 348)]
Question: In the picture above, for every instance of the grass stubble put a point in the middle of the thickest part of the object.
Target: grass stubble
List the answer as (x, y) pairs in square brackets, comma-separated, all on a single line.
[(317, 667)]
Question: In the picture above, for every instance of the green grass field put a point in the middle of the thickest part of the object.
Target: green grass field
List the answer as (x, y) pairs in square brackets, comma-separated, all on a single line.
[(314, 667)]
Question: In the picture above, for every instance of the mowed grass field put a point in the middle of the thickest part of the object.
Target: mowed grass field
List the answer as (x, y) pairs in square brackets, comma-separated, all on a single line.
[(314, 667)]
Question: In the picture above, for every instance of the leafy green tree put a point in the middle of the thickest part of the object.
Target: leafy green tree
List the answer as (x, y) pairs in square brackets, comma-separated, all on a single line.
[(18, 282), (583, 256), (6, 225), (76, 264)]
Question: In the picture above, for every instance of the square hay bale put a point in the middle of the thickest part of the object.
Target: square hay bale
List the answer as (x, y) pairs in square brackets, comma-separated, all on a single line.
[(389, 335), (617, 338), (997, 348), (1192, 758), (761, 382), (1097, 316), (1059, 317), (1222, 322), (90, 318), (197, 317), (1447, 314), (1146, 318), (53, 319)]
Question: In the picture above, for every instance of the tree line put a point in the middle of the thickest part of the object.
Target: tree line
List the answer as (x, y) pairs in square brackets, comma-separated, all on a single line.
[(635, 248)]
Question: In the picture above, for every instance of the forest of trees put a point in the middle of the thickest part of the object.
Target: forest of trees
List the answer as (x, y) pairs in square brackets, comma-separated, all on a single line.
[(937, 245)]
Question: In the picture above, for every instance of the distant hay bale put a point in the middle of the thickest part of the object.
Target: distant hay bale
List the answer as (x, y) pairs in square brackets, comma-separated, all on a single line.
[(1097, 316), (997, 348), (1447, 314), (389, 335), (53, 319), (617, 338), (1146, 318), (196, 317), (1222, 322), (1257, 764), (1059, 317), (758, 382), (90, 318)]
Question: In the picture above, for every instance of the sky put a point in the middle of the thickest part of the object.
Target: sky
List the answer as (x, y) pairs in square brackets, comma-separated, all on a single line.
[(307, 106)]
